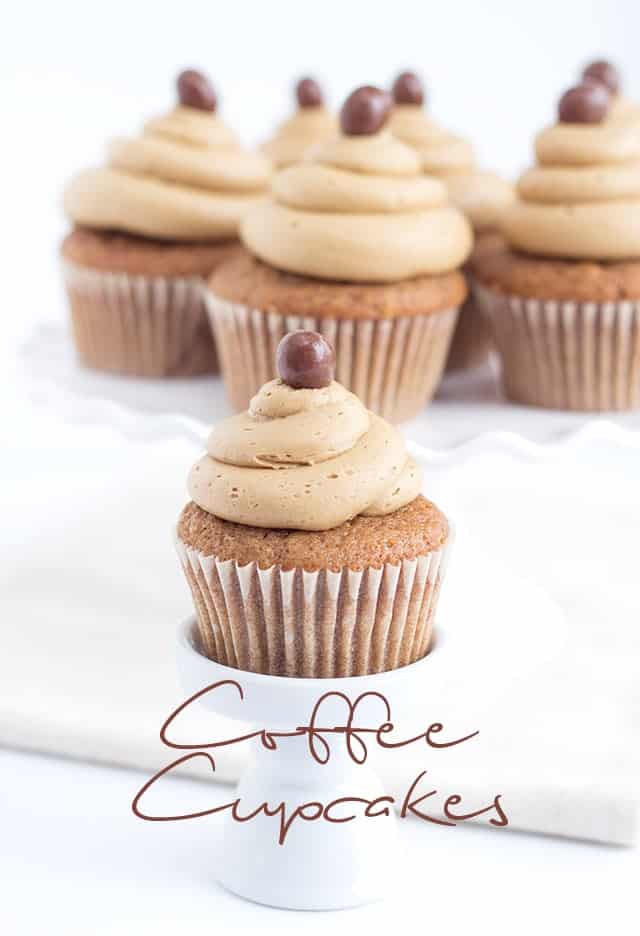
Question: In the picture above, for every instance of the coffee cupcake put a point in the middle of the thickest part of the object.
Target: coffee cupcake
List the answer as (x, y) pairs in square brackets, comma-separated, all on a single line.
[(482, 195), (357, 244), (148, 228), (311, 124), (307, 544), (563, 289)]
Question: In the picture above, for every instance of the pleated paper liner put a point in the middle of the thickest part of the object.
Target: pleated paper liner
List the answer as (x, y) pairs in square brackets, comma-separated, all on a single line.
[(317, 624), (144, 326), (472, 341), (393, 365), (567, 355)]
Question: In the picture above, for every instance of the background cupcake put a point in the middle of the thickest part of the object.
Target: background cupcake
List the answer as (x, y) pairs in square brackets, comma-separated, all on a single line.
[(480, 194), (148, 227), (308, 546), (563, 292), (311, 124), (357, 244)]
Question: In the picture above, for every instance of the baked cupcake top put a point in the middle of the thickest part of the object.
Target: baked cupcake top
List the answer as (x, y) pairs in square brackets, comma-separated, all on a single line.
[(359, 209), (482, 195), (307, 455), (581, 199), (310, 124), (185, 178)]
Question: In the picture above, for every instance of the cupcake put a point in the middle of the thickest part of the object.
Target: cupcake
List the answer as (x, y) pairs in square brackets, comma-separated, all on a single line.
[(307, 544), (563, 289), (311, 124), (148, 229), (480, 194), (355, 243)]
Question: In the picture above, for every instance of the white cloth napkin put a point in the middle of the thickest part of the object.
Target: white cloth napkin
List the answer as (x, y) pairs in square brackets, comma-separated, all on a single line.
[(92, 594)]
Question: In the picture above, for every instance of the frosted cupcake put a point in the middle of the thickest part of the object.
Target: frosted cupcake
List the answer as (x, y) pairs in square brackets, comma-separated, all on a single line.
[(482, 195), (148, 228), (355, 243), (563, 291), (307, 543), (311, 124)]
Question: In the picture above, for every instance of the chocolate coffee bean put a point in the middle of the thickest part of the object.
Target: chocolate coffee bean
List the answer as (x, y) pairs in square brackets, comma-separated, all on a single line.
[(604, 72), (365, 111), (195, 90), (305, 359), (407, 89), (308, 93), (586, 103)]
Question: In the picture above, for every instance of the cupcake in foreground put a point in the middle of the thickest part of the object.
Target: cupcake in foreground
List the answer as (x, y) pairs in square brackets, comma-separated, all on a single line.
[(148, 228), (482, 195), (357, 244), (308, 546), (310, 124), (563, 289)]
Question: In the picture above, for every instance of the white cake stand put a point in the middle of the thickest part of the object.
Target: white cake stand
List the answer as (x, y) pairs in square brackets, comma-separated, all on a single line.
[(321, 865)]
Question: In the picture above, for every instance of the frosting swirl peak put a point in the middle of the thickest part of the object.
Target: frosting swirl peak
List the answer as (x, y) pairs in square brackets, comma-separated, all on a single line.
[(358, 209), (303, 460), (185, 178)]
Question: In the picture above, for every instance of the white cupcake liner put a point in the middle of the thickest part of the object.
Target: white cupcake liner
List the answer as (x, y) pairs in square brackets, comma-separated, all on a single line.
[(567, 355), (145, 326), (472, 340), (392, 365), (316, 624)]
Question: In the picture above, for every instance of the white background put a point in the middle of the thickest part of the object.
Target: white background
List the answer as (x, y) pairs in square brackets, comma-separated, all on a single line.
[(72, 75)]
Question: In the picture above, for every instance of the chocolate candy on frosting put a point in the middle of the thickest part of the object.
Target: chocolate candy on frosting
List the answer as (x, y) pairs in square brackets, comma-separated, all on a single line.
[(585, 104), (365, 111), (305, 359), (195, 90), (309, 93), (605, 73), (407, 89)]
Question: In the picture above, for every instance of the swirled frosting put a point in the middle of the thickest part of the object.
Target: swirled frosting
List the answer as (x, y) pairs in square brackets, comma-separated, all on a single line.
[(185, 178), (582, 199), (303, 460), (298, 135), (483, 196), (358, 210)]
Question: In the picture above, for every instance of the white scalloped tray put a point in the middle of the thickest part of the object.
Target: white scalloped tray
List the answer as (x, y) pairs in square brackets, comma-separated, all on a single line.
[(468, 412)]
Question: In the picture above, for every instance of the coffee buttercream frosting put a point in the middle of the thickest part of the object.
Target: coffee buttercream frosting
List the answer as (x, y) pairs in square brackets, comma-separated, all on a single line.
[(297, 136), (185, 178), (305, 459), (582, 199), (360, 210)]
